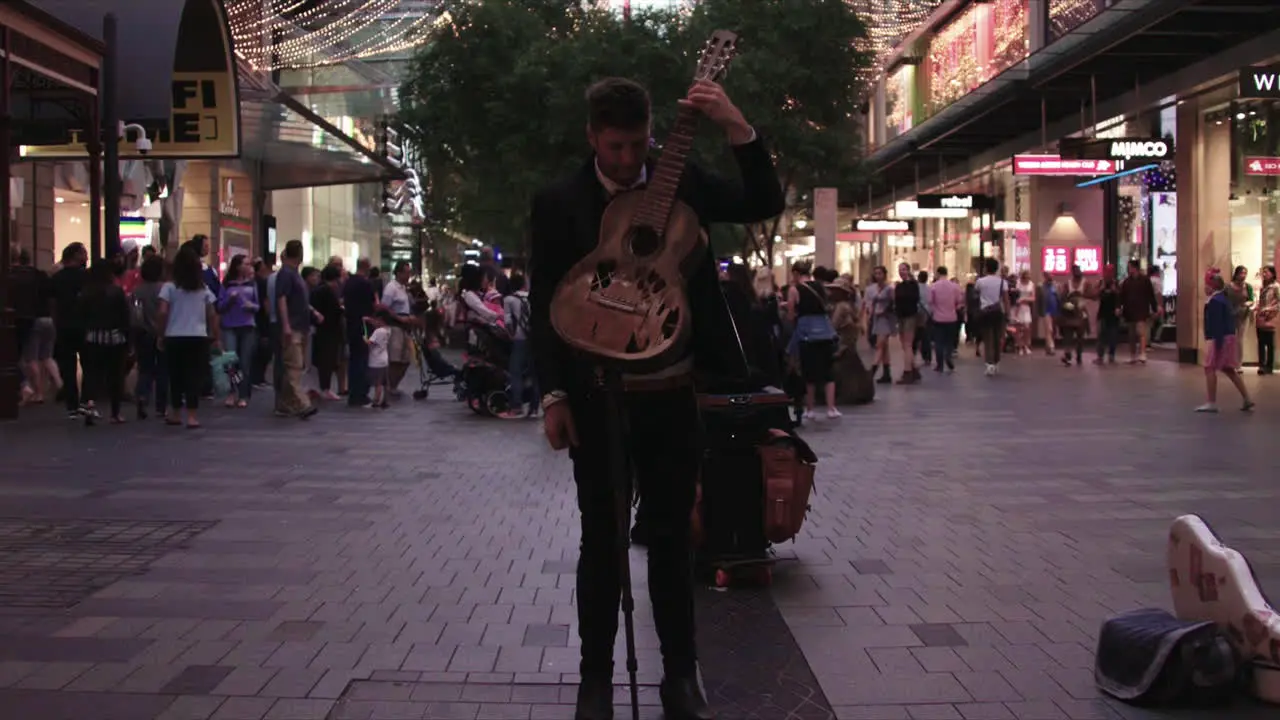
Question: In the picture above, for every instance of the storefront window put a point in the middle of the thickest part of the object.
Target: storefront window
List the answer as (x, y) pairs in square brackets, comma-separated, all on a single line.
[(1010, 40), (898, 98), (978, 44), (1067, 15), (1255, 198)]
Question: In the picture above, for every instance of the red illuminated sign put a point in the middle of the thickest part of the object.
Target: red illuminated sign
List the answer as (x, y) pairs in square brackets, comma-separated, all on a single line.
[(1262, 166), (1089, 258), (1056, 165), (1054, 260)]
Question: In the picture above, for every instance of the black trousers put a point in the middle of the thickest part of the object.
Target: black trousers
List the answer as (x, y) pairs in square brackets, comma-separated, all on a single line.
[(103, 367), (1266, 349), (662, 436), (326, 353), (66, 353), (357, 369), (188, 358)]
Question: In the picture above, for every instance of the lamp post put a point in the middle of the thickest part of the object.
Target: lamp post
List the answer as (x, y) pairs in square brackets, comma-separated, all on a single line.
[(111, 185), (9, 382)]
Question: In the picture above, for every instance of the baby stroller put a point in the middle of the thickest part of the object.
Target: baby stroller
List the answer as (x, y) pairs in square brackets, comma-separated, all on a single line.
[(433, 369), (482, 381)]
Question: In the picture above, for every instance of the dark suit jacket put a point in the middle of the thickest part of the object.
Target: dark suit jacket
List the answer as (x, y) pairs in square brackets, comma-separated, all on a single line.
[(565, 227)]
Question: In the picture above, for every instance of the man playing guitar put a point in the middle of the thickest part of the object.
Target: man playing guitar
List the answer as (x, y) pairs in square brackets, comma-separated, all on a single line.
[(661, 411)]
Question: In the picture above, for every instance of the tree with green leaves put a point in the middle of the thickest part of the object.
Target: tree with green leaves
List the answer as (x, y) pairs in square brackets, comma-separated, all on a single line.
[(795, 78), (494, 103)]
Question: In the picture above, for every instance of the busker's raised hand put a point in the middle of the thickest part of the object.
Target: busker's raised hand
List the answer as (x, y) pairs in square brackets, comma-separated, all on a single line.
[(557, 423), (710, 100)]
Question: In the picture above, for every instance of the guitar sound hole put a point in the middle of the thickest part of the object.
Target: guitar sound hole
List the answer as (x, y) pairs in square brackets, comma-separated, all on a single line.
[(645, 241)]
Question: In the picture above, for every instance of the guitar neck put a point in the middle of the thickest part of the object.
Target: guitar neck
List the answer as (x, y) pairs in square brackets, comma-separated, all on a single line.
[(661, 192)]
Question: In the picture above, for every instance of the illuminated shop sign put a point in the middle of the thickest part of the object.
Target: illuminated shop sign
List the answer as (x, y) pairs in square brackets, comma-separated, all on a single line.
[(1262, 166), (1118, 149), (956, 202), (1261, 82), (1058, 259), (873, 225), (1054, 260), (1060, 166), (1089, 258)]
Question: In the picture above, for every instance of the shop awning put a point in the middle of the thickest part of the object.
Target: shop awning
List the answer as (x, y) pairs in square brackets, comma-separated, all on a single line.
[(1125, 47), (54, 71), (148, 35), (299, 148)]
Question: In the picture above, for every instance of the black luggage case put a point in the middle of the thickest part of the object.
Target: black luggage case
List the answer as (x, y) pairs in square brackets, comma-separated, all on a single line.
[(732, 506)]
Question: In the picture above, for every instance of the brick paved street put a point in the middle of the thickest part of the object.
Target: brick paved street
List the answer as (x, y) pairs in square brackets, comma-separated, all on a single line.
[(967, 537)]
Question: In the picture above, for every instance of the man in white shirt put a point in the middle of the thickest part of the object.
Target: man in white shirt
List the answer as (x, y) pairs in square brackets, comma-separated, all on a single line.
[(993, 309), (395, 299)]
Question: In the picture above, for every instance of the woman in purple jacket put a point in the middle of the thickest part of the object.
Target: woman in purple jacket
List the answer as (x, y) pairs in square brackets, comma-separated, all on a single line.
[(1221, 353), (238, 307)]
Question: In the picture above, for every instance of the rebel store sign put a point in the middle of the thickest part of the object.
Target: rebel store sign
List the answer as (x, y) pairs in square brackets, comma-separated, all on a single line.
[(961, 201)]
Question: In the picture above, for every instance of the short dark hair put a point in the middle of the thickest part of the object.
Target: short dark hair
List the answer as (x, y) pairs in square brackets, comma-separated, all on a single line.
[(403, 264), (617, 103), (71, 252), (152, 269), (941, 271), (293, 250), (330, 273), (992, 265), (516, 282)]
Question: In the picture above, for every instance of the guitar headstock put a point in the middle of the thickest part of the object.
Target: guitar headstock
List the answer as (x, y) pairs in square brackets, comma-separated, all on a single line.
[(716, 55)]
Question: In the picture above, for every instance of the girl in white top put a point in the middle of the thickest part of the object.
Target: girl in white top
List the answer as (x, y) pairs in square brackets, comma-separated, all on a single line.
[(1022, 314)]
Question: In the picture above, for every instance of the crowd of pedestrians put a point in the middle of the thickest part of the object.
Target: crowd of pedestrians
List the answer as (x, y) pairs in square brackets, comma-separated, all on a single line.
[(186, 334)]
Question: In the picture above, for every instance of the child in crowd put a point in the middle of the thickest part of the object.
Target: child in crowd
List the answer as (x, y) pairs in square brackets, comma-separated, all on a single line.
[(378, 360)]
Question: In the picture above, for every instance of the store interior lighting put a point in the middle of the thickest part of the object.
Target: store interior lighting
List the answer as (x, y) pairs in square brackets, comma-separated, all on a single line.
[(1065, 228)]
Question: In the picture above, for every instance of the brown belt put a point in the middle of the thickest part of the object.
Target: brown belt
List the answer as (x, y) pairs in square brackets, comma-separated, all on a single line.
[(675, 382)]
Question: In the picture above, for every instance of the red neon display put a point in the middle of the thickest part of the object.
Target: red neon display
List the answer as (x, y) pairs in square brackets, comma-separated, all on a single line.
[(1262, 166), (1055, 165), (1055, 260), (1089, 258)]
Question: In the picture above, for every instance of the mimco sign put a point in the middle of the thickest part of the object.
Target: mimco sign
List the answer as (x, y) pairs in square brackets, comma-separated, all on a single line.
[(962, 201), (1145, 149), (1121, 148), (1260, 82)]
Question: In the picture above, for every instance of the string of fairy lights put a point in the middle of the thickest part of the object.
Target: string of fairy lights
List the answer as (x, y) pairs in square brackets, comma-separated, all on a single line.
[(888, 22), (274, 34)]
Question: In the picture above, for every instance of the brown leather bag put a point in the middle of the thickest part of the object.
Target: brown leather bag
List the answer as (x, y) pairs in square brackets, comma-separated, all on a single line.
[(788, 464)]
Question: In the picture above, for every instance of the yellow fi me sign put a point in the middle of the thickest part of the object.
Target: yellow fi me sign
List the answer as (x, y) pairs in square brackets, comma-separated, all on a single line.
[(204, 122)]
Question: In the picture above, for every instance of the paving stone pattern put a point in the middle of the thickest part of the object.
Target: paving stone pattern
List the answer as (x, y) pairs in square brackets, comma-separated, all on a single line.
[(967, 537), (57, 564)]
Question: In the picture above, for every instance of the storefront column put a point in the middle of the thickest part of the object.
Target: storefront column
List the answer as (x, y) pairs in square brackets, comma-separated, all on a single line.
[(825, 219), (1203, 161)]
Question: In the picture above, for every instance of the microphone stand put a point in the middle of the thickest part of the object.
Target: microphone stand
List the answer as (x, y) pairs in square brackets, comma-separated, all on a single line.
[(620, 471)]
